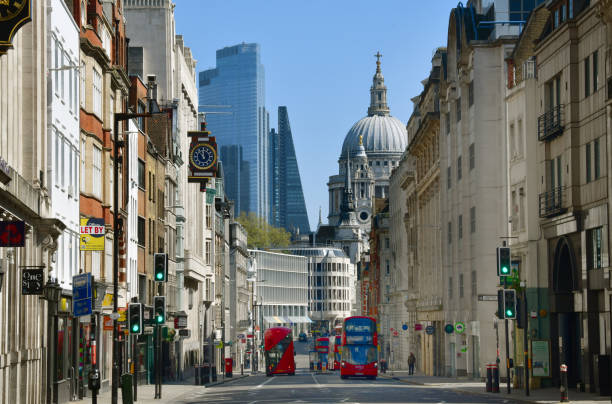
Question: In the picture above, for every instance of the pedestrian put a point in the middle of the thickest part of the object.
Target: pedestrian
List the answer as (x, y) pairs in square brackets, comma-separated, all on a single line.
[(411, 362)]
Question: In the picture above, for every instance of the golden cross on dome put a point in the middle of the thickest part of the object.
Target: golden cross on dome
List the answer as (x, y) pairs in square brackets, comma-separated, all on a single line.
[(378, 56)]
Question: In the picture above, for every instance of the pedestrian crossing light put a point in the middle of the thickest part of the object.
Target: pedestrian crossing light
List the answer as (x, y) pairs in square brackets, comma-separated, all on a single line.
[(159, 308), (161, 267), (510, 303), (503, 261), (135, 318)]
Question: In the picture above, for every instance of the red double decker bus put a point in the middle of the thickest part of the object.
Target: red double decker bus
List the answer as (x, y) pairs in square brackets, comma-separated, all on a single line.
[(322, 348), (279, 354), (359, 348), (337, 350)]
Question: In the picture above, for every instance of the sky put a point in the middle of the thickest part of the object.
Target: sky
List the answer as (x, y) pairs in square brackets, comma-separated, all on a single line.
[(319, 63)]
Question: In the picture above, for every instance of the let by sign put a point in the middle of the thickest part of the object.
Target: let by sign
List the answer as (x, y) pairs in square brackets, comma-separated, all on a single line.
[(32, 280)]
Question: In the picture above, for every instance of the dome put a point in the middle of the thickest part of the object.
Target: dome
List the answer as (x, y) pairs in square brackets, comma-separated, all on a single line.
[(381, 134)]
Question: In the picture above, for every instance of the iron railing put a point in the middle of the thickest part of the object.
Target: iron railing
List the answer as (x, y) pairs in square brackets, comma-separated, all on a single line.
[(553, 202), (550, 123)]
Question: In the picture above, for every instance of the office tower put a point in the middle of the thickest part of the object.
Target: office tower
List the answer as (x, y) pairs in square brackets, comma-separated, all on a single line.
[(287, 206), (235, 87)]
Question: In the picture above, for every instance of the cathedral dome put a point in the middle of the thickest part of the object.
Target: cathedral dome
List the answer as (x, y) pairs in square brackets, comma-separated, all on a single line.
[(382, 133)]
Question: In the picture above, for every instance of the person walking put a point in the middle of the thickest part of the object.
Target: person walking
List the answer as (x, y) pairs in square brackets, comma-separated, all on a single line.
[(411, 362)]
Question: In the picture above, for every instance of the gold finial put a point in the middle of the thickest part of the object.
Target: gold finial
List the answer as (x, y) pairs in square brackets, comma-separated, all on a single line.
[(360, 140), (378, 56)]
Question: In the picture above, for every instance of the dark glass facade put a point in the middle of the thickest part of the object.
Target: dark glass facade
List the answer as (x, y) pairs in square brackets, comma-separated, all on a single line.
[(287, 205)]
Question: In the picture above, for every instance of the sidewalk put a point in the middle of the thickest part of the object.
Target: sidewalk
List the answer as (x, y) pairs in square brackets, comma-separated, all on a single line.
[(170, 392), (471, 386)]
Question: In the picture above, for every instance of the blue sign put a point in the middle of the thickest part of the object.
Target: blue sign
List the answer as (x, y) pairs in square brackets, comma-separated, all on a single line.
[(404, 327), (81, 295), (448, 328), (430, 329)]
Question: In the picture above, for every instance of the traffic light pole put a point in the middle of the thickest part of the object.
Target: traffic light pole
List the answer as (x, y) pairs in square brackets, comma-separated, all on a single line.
[(135, 362), (507, 357)]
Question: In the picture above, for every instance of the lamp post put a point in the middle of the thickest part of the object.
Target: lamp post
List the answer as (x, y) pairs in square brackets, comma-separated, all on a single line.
[(116, 145), (52, 292)]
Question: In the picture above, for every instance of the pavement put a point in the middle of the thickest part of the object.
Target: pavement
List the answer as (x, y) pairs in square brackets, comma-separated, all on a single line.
[(171, 393), (471, 386)]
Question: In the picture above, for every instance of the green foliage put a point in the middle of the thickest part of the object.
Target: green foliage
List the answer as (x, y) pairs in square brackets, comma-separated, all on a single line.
[(261, 234)]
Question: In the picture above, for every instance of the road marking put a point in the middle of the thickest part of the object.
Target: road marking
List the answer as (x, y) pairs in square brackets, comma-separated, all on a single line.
[(316, 381), (266, 382), (252, 402)]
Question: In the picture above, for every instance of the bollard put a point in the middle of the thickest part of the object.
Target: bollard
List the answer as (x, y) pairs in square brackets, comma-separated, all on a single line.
[(489, 379), (563, 388), (495, 386)]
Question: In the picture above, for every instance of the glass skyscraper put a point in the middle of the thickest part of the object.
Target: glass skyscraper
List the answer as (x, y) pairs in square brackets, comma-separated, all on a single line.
[(288, 209), (236, 88)]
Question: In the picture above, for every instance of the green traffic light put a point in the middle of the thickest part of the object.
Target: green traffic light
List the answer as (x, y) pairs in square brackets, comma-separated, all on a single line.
[(509, 313), (159, 275), (505, 270), (160, 318)]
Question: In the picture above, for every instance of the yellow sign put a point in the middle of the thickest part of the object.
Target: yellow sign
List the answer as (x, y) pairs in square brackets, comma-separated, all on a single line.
[(92, 234), (108, 300)]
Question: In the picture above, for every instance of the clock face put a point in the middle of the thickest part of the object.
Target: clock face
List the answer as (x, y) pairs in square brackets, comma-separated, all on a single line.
[(10, 8), (203, 156)]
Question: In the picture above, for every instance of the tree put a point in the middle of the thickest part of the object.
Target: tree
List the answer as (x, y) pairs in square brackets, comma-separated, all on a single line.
[(260, 234)]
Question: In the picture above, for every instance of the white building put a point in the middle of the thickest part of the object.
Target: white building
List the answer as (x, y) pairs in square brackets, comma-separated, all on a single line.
[(132, 225), (331, 277)]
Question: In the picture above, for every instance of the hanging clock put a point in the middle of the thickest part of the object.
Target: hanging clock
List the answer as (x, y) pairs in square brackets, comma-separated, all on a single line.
[(203, 156)]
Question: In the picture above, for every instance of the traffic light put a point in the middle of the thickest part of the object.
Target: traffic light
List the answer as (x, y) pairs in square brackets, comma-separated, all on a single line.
[(509, 303), (135, 318), (161, 267), (159, 309), (503, 261)]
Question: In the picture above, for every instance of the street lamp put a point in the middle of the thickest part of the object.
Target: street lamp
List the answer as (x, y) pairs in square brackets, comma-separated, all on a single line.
[(253, 322), (52, 293), (116, 145)]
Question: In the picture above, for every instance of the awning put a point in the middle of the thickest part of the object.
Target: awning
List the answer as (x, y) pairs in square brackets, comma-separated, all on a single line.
[(276, 319), (299, 319)]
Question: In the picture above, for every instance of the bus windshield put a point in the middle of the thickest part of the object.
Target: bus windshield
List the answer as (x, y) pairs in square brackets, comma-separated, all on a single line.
[(359, 354), (359, 330)]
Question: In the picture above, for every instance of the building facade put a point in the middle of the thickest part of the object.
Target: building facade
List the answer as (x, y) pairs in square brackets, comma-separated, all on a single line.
[(236, 87), (287, 205)]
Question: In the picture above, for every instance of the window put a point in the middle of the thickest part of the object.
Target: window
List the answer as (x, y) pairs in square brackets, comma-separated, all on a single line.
[(387, 267), (447, 119), (474, 284), (472, 157), (141, 231), (460, 227), (473, 219), (471, 93), (571, 9), (97, 171), (387, 242), (56, 63), (458, 168), (587, 78), (596, 158), (208, 252), (63, 57), (556, 22), (563, 12), (460, 285), (595, 71), (141, 174), (450, 232), (594, 249), (97, 93), (141, 110), (448, 178), (458, 107), (83, 75), (112, 111), (450, 287), (64, 146), (588, 162), (83, 14), (83, 154), (58, 145)]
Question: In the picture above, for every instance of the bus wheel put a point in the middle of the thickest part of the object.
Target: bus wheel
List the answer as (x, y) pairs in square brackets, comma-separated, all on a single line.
[(372, 377), (343, 377)]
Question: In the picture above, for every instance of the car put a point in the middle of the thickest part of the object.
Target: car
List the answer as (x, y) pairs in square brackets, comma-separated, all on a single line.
[(302, 337)]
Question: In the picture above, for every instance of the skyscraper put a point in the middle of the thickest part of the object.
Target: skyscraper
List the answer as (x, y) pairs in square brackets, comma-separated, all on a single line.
[(236, 86), (287, 206)]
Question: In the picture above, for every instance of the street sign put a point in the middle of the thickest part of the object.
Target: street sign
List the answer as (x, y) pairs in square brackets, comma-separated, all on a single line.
[(459, 327), (32, 280), (487, 298), (180, 322), (404, 327), (448, 328), (107, 323), (185, 333), (418, 327), (81, 295), (430, 329)]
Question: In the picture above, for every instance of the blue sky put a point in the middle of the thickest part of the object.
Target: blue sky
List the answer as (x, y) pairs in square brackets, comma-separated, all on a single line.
[(319, 62)]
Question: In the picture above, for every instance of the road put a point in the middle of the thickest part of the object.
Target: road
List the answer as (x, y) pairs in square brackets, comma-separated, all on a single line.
[(307, 387)]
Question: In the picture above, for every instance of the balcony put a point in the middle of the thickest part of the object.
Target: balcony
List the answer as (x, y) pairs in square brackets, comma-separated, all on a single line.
[(552, 203), (550, 124)]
